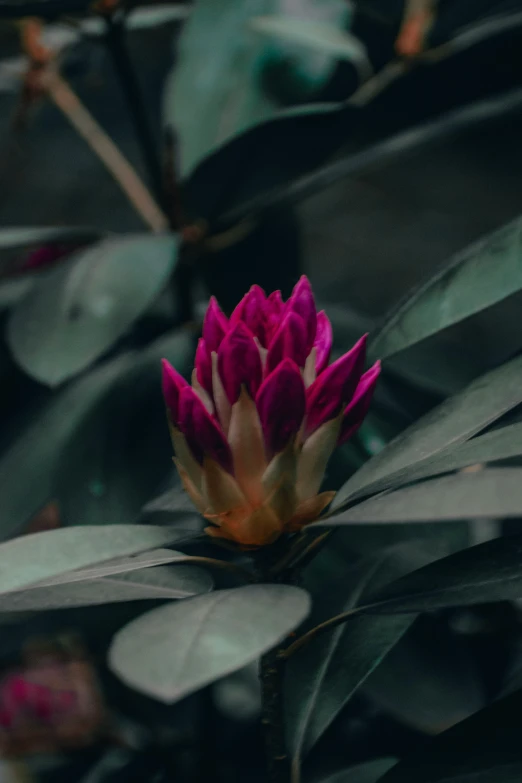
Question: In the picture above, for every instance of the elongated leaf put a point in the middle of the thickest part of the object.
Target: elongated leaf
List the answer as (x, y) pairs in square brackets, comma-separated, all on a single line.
[(81, 307), (485, 748), (120, 565), (177, 649), (369, 772), (484, 274), (503, 443), (322, 677), (488, 572), (451, 423), (44, 450), (152, 583), (39, 556), (20, 236), (493, 492)]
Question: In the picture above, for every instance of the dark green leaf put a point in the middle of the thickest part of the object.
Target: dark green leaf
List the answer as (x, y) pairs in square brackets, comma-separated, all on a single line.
[(160, 582), (30, 559), (20, 236), (177, 649), (485, 748), (39, 452), (485, 573), (493, 492), (369, 772), (81, 307), (500, 444), (451, 423), (484, 274), (323, 676), (119, 565)]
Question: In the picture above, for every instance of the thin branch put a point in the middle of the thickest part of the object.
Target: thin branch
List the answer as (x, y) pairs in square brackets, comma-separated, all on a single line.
[(122, 171), (401, 143), (272, 718), (332, 622)]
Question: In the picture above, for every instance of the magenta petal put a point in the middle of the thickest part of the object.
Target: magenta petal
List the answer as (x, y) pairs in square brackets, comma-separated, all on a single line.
[(251, 310), (215, 325), (281, 404), (274, 306), (357, 409), (203, 363), (239, 363), (323, 341), (302, 303), (289, 342), (204, 436), (329, 393), (172, 383)]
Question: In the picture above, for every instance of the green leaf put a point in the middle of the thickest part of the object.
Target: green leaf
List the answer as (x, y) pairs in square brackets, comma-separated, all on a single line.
[(83, 306), (175, 650), (21, 236), (324, 38), (119, 565), (486, 273), (323, 676), (493, 492), (56, 449), (160, 582), (485, 748), (485, 573), (451, 423), (29, 559), (369, 772), (500, 444)]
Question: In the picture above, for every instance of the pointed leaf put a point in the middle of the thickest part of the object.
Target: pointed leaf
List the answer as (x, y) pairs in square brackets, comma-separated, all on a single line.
[(21, 236), (83, 306), (488, 572), (451, 423), (160, 582), (177, 649), (484, 274), (500, 444), (493, 492), (39, 556)]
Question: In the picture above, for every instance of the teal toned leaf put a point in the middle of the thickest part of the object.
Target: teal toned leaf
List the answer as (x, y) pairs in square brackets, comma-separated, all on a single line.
[(155, 583), (484, 573), (451, 423), (500, 444), (179, 648), (493, 492), (21, 237), (29, 559), (82, 306)]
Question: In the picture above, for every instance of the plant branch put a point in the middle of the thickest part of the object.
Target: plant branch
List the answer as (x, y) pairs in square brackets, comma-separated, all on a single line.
[(223, 565), (87, 127), (401, 143), (272, 719), (332, 622)]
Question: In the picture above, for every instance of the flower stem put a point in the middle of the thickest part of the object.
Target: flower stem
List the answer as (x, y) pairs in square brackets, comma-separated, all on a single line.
[(271, 674)]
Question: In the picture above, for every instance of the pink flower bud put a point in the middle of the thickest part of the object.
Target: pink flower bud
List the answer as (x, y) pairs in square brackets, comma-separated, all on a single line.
[(302, 303), (203, 434), (172, 383), (274, 306), (215, 325), (203, 363), (323, 341), (357, 409), (251, 311), (239, 363), (289, 342), (281, 404), (331, 390)]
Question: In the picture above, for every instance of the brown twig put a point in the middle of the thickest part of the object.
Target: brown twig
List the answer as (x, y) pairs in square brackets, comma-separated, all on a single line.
[(87, 127)]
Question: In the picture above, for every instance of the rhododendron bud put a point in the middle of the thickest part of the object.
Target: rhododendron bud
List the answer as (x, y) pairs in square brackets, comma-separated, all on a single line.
[(254, 432)]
